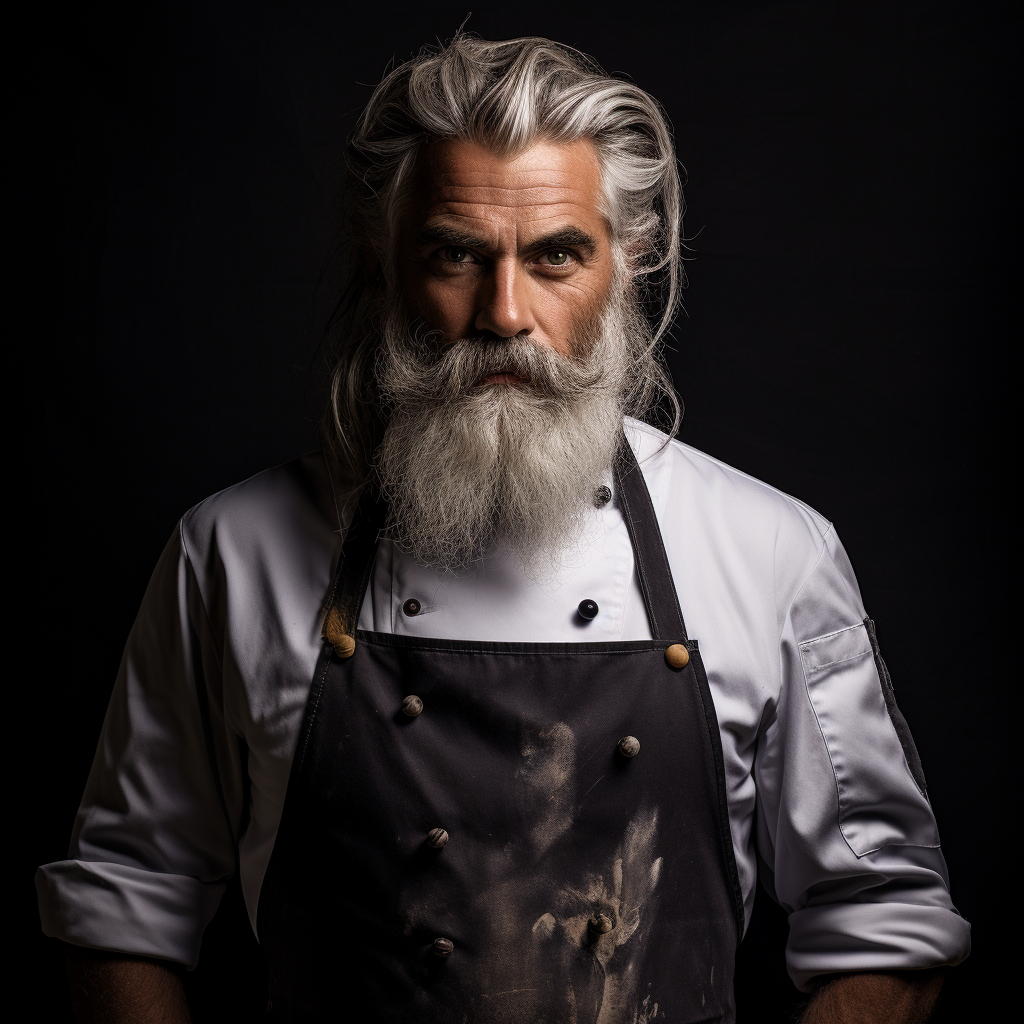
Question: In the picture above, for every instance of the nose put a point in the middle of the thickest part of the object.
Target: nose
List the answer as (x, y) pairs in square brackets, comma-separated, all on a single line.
[(504, 307)]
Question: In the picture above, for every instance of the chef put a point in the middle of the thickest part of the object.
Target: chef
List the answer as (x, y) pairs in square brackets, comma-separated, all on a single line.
[(501, 702)]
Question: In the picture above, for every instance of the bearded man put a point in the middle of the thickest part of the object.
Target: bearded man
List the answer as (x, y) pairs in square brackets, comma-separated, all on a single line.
[(436, 691)]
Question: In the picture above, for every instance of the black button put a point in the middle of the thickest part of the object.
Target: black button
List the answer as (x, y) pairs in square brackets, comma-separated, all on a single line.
[(411, 607), (412, 705), (602, 496), (443, 947), (587, 609)]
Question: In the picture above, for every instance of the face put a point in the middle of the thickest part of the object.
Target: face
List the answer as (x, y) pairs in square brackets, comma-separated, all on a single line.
[(494, 246)]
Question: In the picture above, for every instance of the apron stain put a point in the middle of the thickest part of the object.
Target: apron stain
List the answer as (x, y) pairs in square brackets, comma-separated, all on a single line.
[(548, 768)]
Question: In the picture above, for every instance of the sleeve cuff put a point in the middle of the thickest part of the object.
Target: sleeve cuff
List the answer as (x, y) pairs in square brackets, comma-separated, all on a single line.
[(126, 909), (842, 937)]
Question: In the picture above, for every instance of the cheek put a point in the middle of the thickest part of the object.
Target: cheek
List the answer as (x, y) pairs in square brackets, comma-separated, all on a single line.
[(441, 303), (447, 308), (572, 308)]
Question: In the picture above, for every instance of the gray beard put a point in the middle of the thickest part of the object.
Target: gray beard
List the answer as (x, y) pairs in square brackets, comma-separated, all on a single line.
[(466, 466)]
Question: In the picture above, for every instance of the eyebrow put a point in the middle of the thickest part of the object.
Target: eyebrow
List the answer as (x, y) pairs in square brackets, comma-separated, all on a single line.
[(444, 234)]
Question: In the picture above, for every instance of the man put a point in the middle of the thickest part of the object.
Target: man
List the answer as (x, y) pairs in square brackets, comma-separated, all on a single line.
[(437, 691)]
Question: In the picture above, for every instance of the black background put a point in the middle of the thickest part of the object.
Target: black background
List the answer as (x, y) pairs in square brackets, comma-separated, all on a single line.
[(846, 338)]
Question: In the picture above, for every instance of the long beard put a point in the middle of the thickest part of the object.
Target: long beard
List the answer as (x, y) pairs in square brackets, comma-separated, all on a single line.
[(467, 465)]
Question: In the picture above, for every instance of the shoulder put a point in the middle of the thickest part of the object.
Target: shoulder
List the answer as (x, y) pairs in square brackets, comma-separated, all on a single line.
[(687, 478), (278, 511), (721, 524)]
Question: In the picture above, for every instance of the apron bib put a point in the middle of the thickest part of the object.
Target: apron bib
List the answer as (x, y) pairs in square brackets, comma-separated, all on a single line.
[(505, 833)]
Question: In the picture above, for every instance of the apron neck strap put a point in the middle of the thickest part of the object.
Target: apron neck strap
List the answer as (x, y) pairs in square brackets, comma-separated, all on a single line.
[(355, 563), (659, 591), (652, 568)]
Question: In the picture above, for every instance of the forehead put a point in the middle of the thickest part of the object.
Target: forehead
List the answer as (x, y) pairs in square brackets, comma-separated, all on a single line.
[(549, 185)]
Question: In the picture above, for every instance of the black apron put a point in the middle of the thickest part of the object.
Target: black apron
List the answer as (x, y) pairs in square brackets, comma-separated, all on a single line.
[(498, 851)]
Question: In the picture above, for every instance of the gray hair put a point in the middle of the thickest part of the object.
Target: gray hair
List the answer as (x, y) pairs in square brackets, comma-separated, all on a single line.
[(506, 95)]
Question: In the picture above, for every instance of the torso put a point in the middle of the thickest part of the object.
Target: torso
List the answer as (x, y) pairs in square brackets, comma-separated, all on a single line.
[(586, 872)]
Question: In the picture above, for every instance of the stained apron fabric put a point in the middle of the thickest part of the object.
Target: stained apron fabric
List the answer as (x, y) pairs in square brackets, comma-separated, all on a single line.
[(516, 755)]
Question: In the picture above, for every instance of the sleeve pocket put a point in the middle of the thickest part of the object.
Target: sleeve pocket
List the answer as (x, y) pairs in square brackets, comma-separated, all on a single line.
[(880, 802)]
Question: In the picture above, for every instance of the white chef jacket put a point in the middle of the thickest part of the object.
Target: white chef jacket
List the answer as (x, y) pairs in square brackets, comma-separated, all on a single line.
[(190, 775)]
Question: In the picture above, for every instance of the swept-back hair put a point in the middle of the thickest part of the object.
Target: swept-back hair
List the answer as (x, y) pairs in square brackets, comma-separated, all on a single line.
[(507, 96)]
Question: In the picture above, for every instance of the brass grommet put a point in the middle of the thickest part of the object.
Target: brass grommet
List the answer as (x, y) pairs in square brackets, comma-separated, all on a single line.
[(629, 746), (436, 838), (412, 705)]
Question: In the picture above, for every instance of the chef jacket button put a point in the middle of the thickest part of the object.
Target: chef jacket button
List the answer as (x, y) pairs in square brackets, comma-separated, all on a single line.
[(412, 705), (602, 496), (677, 656), (587, 609), (411, 607), (443, 947), (345, 646), (629, 746), (601, 924), (436, 838)]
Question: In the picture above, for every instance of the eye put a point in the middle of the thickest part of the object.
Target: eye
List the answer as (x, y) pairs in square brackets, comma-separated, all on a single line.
[(454, 254), (557, 257)]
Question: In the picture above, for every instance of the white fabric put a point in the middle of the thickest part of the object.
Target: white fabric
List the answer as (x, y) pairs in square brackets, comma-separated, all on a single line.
[(219, 663)]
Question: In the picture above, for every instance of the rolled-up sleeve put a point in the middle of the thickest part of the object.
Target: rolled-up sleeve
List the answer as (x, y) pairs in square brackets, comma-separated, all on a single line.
[(155, 836), (846, 835)]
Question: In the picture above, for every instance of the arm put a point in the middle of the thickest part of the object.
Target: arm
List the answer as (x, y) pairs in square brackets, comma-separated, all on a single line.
[(906, 997), (111, 988), (846, 836), (154, 839)]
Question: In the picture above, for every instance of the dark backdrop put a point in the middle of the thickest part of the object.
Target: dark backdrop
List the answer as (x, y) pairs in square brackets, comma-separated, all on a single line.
[(845, 338)]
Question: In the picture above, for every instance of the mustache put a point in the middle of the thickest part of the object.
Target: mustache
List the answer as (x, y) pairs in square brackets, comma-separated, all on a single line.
[(437, 375), (483, 357), (459, 369)]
